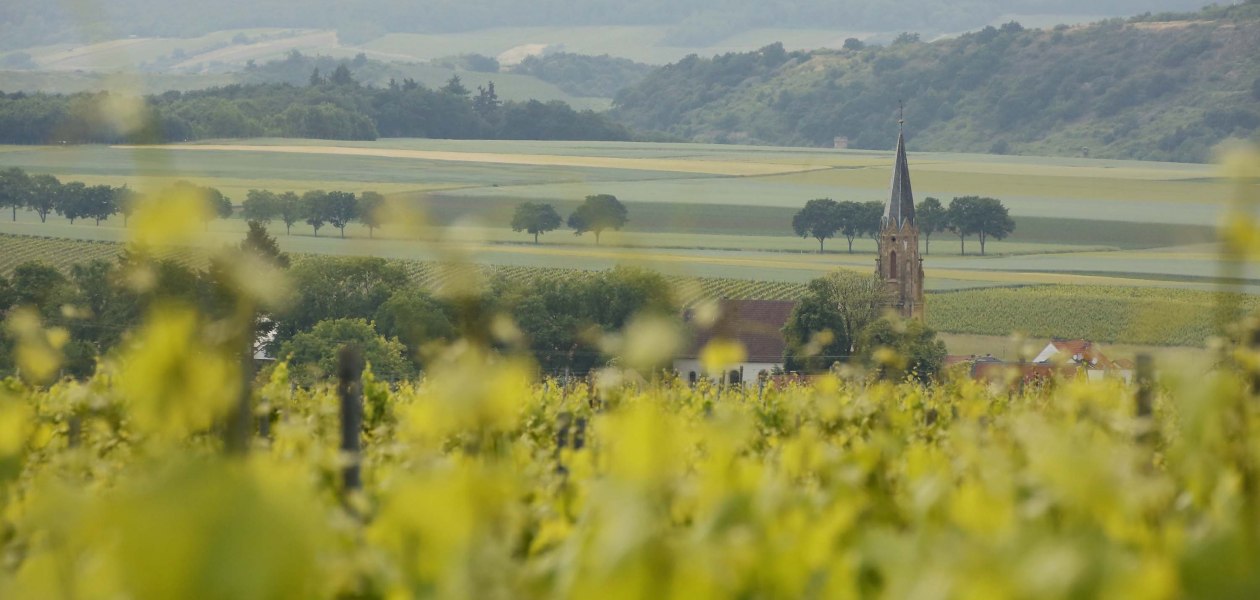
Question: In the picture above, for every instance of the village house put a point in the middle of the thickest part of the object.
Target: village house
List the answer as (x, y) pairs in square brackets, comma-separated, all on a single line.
[(1062, 357), (755, 324)]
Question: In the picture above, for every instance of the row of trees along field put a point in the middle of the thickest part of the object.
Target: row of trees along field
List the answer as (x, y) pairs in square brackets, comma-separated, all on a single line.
[(45, 194), (596, 214), (985, 218), (331, 106)]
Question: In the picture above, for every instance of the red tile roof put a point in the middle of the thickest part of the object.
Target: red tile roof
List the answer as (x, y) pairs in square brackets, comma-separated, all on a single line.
[(1086, 349), (997, 371), (757, 324)]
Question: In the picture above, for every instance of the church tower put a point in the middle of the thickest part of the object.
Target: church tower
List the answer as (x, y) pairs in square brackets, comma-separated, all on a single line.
[(899, 264)]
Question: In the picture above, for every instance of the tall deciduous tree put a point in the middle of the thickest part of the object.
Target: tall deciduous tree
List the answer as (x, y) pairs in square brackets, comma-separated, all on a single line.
[(870, 218), (824, 327), (535, 218), (598, 213), (930, 217), (370, 206), (127, 200), (991, 220), (290, 210), (819, 219), (260, 205), (314, 209), (958, 218), (43, 195), (100, 202), (983, 217), (71, 201), (341, 208), (15, 189)]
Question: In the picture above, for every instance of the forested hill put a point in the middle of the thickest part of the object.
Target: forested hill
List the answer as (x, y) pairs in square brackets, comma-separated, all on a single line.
[(1143, 89), (331, 106)]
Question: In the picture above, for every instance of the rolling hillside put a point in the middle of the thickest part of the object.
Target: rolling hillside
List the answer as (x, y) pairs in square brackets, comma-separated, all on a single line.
[(1156, 88)]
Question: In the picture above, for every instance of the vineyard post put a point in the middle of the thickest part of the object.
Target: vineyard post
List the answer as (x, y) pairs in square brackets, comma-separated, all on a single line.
[(236, 435), (350, 391), (1144, 373), (73, 429)]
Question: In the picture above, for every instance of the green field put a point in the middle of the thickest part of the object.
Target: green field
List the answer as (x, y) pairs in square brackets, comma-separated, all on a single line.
[(697, 210)]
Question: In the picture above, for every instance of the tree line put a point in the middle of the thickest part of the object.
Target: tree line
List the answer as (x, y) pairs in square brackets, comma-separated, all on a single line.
[(966, 216), (370, 302), (44, 195), (331, 106)]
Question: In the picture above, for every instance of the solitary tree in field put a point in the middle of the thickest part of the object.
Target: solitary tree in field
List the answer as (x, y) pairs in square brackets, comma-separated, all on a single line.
[(260, 206), (341, 208), (535, 218), (43, 195), (820, 219), (370, 206), (598, 213), (15, 188), (289, 208), (314, 207), (930, 217)]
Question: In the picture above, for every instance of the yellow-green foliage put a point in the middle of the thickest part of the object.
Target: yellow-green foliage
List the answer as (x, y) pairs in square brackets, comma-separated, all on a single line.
[(473, 489)]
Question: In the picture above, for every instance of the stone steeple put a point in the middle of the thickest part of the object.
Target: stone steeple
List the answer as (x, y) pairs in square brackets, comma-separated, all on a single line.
[(899, 264), (900, 208)]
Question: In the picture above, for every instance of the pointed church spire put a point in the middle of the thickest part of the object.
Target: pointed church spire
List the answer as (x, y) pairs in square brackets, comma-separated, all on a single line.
[(900, 208)]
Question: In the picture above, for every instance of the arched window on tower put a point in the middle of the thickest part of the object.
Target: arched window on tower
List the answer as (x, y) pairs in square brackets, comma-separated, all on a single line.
[(892, 267)]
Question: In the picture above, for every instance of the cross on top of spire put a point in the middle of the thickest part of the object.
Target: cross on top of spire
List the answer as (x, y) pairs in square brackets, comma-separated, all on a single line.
[(900, 208)]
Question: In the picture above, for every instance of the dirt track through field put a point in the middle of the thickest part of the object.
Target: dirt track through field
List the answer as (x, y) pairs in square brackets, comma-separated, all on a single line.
[(706, 167)]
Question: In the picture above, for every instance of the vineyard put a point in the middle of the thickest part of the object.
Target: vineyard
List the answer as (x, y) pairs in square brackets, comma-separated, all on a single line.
[(483, 483), (62, 253), (1172, 317)]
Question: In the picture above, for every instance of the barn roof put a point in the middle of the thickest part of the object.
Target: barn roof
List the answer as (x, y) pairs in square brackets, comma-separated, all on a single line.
[(757, 324)]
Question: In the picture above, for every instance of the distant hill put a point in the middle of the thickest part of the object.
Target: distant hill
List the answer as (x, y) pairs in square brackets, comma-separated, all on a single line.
[(1163, 87), (25, 23)]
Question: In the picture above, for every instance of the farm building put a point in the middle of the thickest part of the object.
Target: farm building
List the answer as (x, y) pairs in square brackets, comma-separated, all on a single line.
[(1063, 357), (755, 324)]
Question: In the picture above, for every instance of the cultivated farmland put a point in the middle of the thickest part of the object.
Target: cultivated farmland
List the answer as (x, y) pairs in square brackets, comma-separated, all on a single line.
[(698, 210)]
